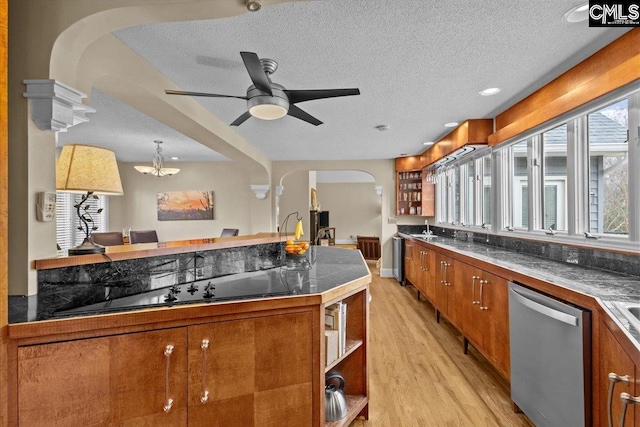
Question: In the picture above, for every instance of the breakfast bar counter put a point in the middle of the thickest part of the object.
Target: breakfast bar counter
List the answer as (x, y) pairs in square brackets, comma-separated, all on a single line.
[(224, 331)]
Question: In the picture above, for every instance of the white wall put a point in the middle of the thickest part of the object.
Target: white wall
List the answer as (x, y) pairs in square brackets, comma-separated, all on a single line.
[(232, 199), (354, 208)]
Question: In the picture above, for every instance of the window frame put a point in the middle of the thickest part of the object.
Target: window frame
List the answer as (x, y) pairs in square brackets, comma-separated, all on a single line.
[(577, 185)]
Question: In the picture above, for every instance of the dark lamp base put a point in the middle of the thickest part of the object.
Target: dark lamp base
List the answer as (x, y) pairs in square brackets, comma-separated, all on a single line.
[(87, 247)]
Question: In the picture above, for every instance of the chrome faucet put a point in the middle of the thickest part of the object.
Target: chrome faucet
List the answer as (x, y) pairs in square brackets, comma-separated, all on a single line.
[(426, 230)]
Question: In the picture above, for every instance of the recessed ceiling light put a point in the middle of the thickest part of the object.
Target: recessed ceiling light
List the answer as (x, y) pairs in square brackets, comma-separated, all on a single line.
[(383, 128), (253, 5), (175, 158), (577, 14), (428, 143), (451, 124), (489, 91)]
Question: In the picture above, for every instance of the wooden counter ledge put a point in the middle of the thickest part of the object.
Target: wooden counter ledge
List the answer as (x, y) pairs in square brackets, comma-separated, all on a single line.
[(145, 250)]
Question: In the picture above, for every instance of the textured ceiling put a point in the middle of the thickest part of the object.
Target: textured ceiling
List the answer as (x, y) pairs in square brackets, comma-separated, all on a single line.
[(418, 64)]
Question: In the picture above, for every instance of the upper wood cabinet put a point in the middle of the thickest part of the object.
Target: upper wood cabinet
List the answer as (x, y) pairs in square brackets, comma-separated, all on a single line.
[(414, 195), (475, 131)]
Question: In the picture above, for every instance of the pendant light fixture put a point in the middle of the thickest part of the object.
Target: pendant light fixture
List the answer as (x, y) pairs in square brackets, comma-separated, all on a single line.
[(158, 168)]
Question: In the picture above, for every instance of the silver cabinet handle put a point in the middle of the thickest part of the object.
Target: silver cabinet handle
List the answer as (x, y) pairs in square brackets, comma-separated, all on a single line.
[(168, 402), (442, 272), (613, 379), (626, 399), (205, 393), (482, 283), (473, 290), (421, 263), (446, 273)]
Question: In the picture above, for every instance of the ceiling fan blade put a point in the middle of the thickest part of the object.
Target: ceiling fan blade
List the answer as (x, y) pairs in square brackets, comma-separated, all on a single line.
[(296, 96), (240, 120), (256, 72), (211, 95), (302, 115)]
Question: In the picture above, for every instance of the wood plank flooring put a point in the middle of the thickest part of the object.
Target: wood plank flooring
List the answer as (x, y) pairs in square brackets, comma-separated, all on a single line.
[(419, 375)]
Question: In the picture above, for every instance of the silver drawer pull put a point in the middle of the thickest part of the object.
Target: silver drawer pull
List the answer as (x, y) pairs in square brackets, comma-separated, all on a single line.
[(482, 283), (168, 350), (205, 393), (613, 379), (626, 400), (473, 290)]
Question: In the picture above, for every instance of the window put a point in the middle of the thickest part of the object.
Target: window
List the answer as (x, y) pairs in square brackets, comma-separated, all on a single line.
[(555, 178), (519, 180), (608, 145), (468, 205), (486, 190), (67, 222)]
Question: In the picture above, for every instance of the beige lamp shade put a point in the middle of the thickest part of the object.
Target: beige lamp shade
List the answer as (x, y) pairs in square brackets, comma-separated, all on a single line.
[(82, 168)]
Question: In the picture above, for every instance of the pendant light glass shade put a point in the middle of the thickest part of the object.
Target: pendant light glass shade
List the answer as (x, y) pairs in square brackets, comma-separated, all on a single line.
[(158, 168)]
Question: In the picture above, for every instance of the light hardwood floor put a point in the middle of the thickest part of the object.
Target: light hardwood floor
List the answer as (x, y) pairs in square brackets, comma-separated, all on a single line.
[(419, 375)]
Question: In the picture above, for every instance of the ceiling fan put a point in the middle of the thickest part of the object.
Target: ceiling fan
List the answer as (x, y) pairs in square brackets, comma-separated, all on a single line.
[(269, 101)]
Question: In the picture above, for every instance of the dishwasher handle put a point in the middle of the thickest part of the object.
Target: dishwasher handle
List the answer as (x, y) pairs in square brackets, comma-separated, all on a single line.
[(543, 309)]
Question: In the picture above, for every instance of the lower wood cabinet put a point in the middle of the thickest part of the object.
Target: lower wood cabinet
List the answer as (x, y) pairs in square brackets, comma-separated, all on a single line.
[(124, 380), (448, 293), (485, 309), (249, 372), (253, 372), (614, 360)]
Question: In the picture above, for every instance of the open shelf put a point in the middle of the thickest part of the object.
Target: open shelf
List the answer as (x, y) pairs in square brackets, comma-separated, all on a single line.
[(352, 345), (355, 404)]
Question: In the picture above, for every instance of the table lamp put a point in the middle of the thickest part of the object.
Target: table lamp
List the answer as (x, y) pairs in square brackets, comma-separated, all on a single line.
[(91, 171)]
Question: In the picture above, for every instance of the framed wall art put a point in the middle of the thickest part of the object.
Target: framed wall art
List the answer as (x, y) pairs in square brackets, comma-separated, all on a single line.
[(185, 205)]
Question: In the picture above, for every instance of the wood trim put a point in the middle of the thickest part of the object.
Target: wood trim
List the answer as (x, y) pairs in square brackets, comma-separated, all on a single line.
[(105, 323), (408, 163), (612, 67), (4, 213), (474, 131), (145, 250)]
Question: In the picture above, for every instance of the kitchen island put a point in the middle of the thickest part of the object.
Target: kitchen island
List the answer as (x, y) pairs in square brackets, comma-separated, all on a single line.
[(242, 348)]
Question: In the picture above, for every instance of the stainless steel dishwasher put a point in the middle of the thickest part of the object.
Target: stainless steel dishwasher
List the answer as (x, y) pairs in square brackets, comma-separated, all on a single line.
[(550, 359)]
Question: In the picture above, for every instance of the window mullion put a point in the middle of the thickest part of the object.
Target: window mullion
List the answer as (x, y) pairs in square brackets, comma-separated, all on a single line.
[(634, 167)]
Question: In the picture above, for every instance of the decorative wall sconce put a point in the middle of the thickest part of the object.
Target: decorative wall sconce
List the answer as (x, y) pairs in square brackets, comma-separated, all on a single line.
[(260, 190), (378, 189), (279, 190)]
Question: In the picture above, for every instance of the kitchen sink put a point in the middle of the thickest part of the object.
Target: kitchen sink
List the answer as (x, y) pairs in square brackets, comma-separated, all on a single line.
[(631, 311), (423, 236)]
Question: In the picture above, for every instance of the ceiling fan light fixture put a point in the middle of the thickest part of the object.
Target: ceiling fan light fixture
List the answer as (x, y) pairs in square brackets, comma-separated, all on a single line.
[(268, 107), (253, 5)]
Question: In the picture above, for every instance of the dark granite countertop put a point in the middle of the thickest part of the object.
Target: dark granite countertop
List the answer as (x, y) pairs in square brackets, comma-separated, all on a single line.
[(319, 270), (606, 286)]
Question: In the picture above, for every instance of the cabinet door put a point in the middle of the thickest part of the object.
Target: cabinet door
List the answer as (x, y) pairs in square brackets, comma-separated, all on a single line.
[(442, 282), (410, 265), (494, 304), (455, 298), (121, 380), (428, 273), (613, 359), (469, 279), (254, 372)]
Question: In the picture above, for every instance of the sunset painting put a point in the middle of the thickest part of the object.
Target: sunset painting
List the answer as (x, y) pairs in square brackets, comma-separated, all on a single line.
[(185, 205)]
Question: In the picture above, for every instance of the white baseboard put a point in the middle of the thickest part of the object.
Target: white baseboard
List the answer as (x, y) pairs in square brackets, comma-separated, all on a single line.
[(386, 272)]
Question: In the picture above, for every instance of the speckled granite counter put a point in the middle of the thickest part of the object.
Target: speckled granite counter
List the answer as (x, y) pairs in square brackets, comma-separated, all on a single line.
[(605, 286), (320, 270)]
